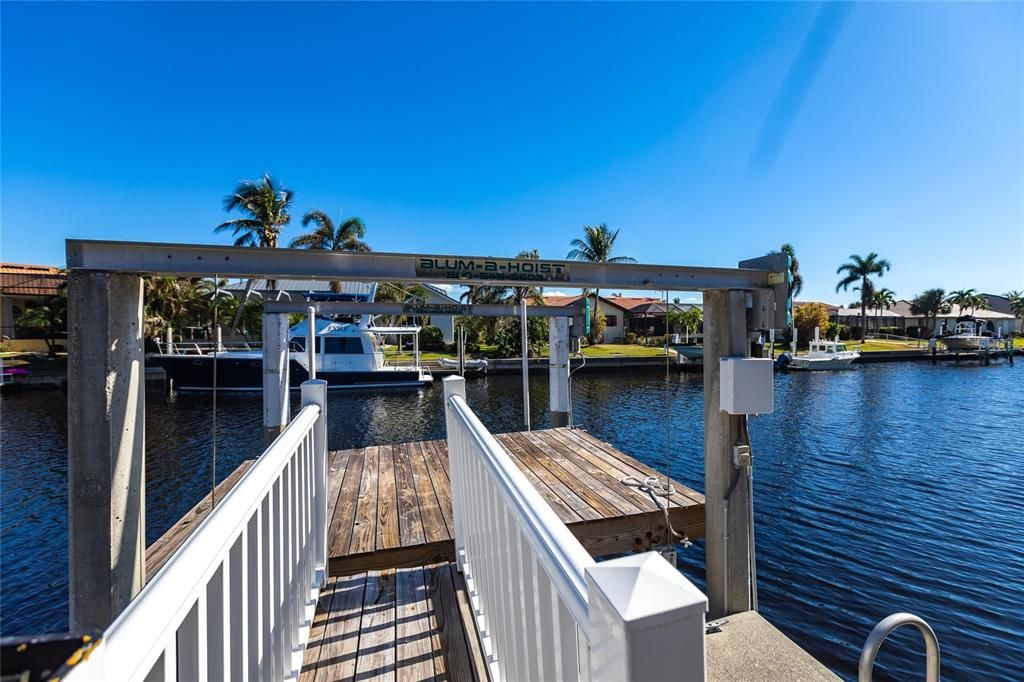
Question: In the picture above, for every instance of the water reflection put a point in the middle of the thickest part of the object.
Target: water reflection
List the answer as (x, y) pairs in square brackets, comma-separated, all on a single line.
[(886, 488)]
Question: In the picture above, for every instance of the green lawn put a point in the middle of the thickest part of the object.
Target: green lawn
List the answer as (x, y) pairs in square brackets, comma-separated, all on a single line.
[(612, 350), (406, 356), (602, 350), (869, 346)]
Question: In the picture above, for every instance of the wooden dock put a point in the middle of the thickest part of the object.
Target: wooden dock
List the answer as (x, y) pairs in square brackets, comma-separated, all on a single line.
[(411, 622), (394, 604), (392, 504)]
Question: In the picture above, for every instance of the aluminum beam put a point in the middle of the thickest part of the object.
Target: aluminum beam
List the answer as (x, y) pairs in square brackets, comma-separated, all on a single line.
[(235, 261), (360, 308)]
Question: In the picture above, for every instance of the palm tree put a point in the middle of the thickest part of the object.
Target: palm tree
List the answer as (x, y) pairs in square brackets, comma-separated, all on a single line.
[(967, 299), (45, 319), (265, 205), (596, 247), (497, 294), (1016, 299), (931, 303), (797, 280), (883, 298), (348, 236), (860, 270)]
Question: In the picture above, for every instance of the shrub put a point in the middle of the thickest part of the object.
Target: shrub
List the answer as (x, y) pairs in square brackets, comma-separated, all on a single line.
[(431, 338), (807, 317), (631, 337), (508, 343), (597, 327), (895, 331), (841, 330)]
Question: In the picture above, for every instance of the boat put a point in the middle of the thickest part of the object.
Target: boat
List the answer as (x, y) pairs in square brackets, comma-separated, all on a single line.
[(448, 363), (822, 354), (348, 355), (968, 335), (689, 353)]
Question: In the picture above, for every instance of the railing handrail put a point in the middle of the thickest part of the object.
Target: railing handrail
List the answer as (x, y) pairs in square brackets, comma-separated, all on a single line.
[(195, 562), (561, 554), (884, 628)]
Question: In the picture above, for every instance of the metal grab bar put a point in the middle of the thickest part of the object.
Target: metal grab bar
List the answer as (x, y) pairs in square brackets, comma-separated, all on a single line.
[(883, 629)]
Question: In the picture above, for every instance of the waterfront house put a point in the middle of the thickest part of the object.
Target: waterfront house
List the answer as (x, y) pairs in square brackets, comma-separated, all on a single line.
[(615, 315), (641, 315), (23, 287), (993, 318)]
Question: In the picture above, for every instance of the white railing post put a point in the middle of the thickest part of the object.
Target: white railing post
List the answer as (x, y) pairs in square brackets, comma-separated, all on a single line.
[(646, 621), (455, 386), (314, 392)]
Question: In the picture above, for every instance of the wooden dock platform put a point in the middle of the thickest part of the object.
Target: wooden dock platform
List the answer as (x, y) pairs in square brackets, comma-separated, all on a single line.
[(413, 623), (391, 505), (394, 605)]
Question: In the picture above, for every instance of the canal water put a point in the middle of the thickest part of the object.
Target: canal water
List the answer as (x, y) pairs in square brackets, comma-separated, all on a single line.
[(893, 487)]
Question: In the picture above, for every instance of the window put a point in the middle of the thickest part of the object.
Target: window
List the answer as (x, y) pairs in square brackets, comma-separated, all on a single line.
[(350, 345), (611, 320), (298, 344)]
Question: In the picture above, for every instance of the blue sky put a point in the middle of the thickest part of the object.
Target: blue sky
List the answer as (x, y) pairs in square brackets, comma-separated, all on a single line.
[(708, 133)]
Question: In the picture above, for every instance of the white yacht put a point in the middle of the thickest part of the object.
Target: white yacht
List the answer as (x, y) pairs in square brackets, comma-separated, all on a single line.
[(348, 355)]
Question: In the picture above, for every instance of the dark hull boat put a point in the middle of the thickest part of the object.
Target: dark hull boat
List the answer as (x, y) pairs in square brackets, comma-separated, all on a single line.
[(195, 373), (347, 355)]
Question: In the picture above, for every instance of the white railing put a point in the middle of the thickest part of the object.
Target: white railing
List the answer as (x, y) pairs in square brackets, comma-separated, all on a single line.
[(544, 609), (896, 337), (235, 601)]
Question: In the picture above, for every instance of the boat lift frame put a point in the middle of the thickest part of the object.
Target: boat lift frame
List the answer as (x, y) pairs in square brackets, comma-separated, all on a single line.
[(106, 365)]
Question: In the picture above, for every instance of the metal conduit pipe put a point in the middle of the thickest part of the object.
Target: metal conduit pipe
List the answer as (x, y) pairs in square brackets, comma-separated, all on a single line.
[(883, 629)]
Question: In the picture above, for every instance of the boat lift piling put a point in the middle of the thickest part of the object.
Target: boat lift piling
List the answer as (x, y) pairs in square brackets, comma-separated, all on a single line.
[(276, 405), (106, 405)]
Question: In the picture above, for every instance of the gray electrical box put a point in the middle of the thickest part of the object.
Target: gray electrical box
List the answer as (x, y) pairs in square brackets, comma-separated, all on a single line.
[(747, 385)]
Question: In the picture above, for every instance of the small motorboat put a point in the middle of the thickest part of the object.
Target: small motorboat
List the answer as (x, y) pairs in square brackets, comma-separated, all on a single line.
[(822, 354), (691, 354), (968, 335), (448, 363)]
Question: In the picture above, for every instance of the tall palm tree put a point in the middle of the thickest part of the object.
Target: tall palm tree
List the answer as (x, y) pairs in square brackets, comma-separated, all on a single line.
[(967, 299), (596, 247), (931, 303), (497, 294), (861, 270), (1016, 299), (348, 236), (266, 207), (797, 284), (883, 298), (397, 292)]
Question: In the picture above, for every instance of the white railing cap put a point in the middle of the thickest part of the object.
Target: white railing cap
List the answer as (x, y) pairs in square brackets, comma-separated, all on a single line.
[(646, 590)]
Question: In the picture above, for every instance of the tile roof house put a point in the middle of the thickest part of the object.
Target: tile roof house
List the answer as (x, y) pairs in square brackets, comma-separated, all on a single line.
[(25, 286), (642, 315)]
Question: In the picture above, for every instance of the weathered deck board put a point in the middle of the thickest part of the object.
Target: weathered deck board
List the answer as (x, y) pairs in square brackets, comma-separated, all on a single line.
[(161, 550), (394, 506), (403, 624)]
